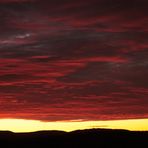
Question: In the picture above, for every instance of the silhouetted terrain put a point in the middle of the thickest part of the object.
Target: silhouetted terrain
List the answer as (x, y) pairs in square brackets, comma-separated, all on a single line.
[(93, 138)]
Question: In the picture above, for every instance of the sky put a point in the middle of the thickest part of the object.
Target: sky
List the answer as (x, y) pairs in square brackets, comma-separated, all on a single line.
[(73, 60)]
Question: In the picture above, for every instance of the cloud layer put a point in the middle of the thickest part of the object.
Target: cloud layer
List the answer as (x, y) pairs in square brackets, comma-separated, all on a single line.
[(73, 60)]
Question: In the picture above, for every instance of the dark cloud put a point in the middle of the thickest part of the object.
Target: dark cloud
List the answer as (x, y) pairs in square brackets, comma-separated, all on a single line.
[(72, 60)]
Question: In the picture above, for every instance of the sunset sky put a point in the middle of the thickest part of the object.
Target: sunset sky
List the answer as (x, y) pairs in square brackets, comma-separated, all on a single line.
[(73, 62)]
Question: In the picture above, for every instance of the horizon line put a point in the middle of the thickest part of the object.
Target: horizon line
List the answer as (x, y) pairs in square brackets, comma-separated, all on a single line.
[(23, 125)]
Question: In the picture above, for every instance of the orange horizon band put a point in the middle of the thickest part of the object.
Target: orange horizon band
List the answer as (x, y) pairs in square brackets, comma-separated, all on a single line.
[(22, 125)]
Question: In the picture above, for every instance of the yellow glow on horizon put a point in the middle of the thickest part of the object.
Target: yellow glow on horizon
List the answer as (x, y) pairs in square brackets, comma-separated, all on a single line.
[(21, 125)]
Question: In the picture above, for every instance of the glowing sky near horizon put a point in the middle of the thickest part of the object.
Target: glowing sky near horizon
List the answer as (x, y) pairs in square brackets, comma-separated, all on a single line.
[(21, 125), (75, 59)]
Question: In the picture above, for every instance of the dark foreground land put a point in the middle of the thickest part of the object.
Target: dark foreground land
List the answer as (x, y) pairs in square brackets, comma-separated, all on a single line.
[(93, 138)]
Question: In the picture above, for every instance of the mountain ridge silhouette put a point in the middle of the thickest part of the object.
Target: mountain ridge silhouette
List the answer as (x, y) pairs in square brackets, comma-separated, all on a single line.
[(94, 138)]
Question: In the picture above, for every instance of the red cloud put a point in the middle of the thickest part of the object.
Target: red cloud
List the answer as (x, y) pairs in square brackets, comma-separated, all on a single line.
[(19, 1), (73, 60)]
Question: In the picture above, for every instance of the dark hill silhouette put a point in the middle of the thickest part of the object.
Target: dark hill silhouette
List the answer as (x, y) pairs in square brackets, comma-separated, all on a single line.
[(93, 138)]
